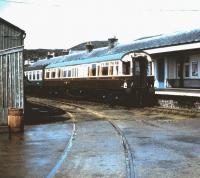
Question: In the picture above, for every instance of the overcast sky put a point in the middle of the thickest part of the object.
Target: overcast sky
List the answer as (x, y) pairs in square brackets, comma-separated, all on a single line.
[(65, 23)]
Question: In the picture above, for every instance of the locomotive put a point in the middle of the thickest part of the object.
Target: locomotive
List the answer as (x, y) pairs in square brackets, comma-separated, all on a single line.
[(110, 73)]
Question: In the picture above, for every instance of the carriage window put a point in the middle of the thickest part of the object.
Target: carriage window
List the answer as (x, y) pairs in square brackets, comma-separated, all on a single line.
[(69, 73), (111, 70), (89, 71), (29, 76), (93, 69), (47, 75), (33, 76), (149, 69), (194, 68), (53, 74), (98, 71), (38, 75), (137, 68), (64, 73), (126, 68), (117, 70), (58, 73), (104, 70), (77, 72)]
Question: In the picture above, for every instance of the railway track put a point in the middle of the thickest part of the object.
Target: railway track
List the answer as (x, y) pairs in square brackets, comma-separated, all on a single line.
[(74, 107), (68, 147), (130, 172)]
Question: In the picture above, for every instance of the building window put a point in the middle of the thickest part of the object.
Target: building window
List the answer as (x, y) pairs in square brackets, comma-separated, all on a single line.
[(187, 70), (195, 69), (178, 69)]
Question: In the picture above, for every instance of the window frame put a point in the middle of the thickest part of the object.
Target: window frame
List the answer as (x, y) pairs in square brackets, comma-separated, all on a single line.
[(197, 63)]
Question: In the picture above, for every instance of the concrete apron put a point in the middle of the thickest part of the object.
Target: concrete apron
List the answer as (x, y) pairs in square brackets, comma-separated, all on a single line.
[(97, 151)]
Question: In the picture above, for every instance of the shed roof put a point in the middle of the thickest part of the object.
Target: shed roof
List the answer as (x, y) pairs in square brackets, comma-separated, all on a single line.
[(12, 26)]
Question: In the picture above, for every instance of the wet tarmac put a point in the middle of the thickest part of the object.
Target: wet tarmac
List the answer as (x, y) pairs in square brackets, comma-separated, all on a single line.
[(162, 145), (34, 153)]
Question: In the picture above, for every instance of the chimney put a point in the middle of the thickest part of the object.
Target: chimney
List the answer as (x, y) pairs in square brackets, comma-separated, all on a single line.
[(112, 42), (50, 55), (65, 52), (89, 47)]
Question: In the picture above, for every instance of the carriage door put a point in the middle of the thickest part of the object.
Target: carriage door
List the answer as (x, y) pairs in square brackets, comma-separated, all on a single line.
[(140, 71), (160, 73)]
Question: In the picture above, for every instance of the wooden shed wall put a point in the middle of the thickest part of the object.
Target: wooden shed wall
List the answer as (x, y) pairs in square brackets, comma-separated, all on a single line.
[(11, 68), (11, 82), (10, 36)]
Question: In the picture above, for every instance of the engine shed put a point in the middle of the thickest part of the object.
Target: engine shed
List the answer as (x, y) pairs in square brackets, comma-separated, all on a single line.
[(11, 68)]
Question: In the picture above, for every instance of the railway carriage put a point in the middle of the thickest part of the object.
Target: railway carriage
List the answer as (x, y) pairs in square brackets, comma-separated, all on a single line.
[(108, 73), (110, 77)]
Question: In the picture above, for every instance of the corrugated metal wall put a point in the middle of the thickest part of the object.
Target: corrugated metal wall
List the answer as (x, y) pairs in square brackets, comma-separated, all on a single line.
[(11, 81)]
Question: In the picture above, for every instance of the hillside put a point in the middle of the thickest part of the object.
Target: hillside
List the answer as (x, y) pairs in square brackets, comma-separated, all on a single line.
[(35, 54)]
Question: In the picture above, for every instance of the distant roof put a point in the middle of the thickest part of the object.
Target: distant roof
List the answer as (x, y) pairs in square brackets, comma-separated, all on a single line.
[(11, 25), (97, 44), (164, 40), (106, 53)]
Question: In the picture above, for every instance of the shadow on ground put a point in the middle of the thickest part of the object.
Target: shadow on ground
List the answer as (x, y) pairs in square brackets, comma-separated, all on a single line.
[(40, 114)]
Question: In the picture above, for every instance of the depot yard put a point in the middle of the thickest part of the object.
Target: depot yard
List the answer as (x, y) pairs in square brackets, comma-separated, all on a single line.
[(65, 139)]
